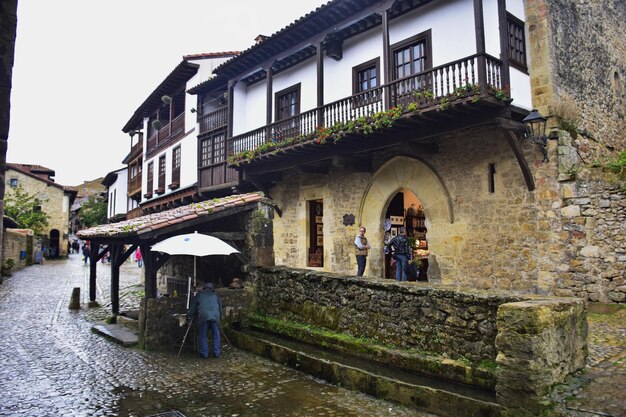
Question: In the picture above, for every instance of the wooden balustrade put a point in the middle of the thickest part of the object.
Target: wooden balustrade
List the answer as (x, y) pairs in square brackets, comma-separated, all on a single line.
[(425, 89), (213, 121)]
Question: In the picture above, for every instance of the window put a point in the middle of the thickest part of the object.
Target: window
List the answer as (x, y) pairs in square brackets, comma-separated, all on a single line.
[(365, 76), (150, 179), (213, 150), (517, 42), (288, 103), (175, 167), (287, 106), (133, 171), (13, 182), (364, 82), (411, 57), (161, 174)]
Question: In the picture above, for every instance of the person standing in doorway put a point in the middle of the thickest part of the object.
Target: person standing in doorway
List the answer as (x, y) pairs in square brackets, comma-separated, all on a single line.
[(360, 249), (139, 258), (208, 307), (401, 253)]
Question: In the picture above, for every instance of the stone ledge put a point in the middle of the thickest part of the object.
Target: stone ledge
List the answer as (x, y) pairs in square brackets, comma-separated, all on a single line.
[(117, 333)]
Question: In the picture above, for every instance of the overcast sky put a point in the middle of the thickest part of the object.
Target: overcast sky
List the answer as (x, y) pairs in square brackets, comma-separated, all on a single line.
[(82, 67)]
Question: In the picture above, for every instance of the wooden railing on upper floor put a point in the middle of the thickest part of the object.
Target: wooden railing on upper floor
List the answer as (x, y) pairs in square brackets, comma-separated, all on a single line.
[(166, 135), (213, 121), (477, 73)]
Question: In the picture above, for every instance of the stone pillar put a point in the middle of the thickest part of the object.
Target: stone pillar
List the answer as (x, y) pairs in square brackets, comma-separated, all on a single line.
[(540, 342), (260, 239)]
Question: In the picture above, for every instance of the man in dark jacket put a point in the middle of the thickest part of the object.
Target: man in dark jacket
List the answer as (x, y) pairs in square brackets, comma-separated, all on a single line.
[(208, 306), (401, 252)]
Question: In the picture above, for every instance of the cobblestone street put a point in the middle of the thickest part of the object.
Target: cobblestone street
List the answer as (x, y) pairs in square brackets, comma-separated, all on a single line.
[(54, 365)]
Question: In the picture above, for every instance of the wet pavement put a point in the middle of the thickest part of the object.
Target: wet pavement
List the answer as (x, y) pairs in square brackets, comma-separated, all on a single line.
[(52, 364)]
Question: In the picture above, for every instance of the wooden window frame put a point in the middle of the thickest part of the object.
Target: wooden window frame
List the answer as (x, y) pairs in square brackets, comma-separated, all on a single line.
[(217, 153), (425, 37), (176, 162), (282, 93), (372, 63), (516, 47), (162, 173), (150, 180)]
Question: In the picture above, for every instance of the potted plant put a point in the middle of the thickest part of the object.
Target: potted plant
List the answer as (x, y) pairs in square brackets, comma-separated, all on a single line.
[(6, 267)]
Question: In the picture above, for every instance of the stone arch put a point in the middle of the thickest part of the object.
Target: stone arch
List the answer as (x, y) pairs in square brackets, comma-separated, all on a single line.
[(399, 173)]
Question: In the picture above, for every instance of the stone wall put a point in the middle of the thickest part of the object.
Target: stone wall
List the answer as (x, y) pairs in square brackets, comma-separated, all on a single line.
[(15, 241), (540, 343), (594, 230), (435, 319), (160, 328), (536, 341)]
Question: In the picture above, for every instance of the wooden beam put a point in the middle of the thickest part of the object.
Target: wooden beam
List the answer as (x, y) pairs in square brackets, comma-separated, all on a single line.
[(232, 236), (521, 160), (115, 278)]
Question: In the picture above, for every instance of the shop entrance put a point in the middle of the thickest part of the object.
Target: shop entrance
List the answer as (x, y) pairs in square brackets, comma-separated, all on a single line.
[(405, 210)]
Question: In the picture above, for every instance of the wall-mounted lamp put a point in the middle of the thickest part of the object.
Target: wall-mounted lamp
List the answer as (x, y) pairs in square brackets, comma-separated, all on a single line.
[(536, 131), (133, 132), (166, 99), (193, 110)]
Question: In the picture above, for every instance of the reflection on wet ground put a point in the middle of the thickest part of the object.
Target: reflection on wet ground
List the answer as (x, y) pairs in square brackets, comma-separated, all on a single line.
[(54, 365)]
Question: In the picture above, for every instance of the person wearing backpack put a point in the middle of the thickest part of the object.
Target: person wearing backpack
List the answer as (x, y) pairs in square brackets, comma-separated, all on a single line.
[(401, 253)]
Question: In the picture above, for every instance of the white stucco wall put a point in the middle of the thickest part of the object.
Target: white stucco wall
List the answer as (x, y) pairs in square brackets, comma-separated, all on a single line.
[(118, 194)]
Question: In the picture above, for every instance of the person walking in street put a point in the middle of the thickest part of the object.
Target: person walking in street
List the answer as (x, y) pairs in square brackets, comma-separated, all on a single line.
[(360, 249), (139, 258), (208, 308), (86, 253), (401, 253)]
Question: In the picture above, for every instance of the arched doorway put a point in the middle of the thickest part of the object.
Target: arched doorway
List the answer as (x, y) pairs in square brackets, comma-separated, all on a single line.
[(405, 210), (53, 251), (412, 175)]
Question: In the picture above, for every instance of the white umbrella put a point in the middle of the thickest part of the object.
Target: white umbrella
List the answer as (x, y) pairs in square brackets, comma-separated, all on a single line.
[(195, 244)]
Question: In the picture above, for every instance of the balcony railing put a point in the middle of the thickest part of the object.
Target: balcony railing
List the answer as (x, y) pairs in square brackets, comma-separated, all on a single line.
[(476, 73), (136, 150), (134, 185), (213, 121), (166, 134)]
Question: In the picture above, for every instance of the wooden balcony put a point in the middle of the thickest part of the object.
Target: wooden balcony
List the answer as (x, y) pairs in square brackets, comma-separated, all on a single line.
[(213, 121), (475, 76), (135, 151), (166, 135), (134, 186), (215, 176)]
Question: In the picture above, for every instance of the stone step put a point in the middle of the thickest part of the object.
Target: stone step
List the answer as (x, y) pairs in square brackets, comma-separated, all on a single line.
[(128, 322), (426, 393), (118, 333)]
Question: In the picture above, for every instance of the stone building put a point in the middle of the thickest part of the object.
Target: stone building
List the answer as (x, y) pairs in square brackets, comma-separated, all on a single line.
[(55, 199), (496, 209)]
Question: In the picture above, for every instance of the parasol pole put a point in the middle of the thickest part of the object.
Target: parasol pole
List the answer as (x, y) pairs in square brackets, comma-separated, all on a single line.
[(188, 291)]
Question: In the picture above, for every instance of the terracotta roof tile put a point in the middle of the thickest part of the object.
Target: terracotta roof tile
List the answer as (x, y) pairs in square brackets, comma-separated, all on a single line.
[(156, 221)]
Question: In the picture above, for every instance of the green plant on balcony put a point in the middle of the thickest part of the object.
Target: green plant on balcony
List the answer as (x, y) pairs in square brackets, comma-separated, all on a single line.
[(466, 90), (501, 93), (444, 103), (413, 107)]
